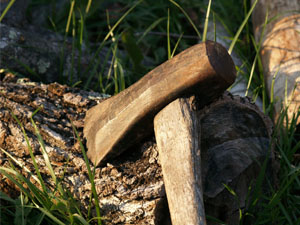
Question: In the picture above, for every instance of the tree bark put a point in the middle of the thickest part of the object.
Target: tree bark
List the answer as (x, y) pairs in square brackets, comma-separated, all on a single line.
[(234, 134), (44, 55), (280, 51), (130, 188), (16, 15)]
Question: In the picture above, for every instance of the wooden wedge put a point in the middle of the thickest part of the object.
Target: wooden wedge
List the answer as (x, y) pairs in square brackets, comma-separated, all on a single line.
[(112, 126)]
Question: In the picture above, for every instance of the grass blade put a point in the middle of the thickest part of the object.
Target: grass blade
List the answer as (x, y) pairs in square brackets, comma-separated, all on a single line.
[(168, 35), (241, 28), (121, 19), (251, 75), (257, 48), (50, 215), (88, 6), (31, 154), (70, 16), (6, 197), (215, 27), (275, 200), (176, 45), (206, 21), (187, 16), (81, 219), (6, 172), (21, 165), (96, 64), (91, 176), (46, 157), (6, 9), (152, 26)]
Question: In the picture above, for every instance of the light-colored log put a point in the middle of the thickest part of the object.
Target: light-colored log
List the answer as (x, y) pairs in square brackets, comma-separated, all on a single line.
[(280, 51), (239, 87), (177, 133)]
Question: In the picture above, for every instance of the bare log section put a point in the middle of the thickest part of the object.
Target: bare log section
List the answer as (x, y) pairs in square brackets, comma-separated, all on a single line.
[(280, 51), (177, 133), (112, 126)]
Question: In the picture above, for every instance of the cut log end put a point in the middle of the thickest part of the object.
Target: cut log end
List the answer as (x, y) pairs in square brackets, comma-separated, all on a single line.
[(221, 61)]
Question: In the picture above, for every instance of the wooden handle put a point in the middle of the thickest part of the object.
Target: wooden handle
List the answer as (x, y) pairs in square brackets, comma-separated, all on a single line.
[(120, 121), (177, 133)]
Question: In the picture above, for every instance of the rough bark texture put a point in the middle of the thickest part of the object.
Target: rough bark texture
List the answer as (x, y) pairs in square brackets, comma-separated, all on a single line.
[(16, 15), (34, 51), (177, 133), (41, 53), (280, 51), (130, 187)]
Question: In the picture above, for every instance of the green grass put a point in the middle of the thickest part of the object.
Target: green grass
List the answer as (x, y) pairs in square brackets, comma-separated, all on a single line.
[(281, 206), (43, 205), (140, 35)]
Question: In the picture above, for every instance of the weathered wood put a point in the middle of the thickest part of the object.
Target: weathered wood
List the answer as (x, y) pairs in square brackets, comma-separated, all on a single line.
[(117, 123), (177, 133), (131, 187), (280, 51), (235, 137)]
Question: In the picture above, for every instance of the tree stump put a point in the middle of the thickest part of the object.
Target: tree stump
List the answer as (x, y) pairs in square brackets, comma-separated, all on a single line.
[(234, 134)]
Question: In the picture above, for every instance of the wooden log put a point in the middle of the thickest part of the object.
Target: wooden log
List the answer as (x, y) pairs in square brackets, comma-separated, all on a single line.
[(112, 126), (235, 137), (177, 133), (37, 52), (130, 187), (280, 51), (16, 15)]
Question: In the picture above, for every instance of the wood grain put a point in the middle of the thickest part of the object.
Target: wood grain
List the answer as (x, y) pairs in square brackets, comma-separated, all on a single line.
[(234, 137), (177, 133), (127, 118)]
